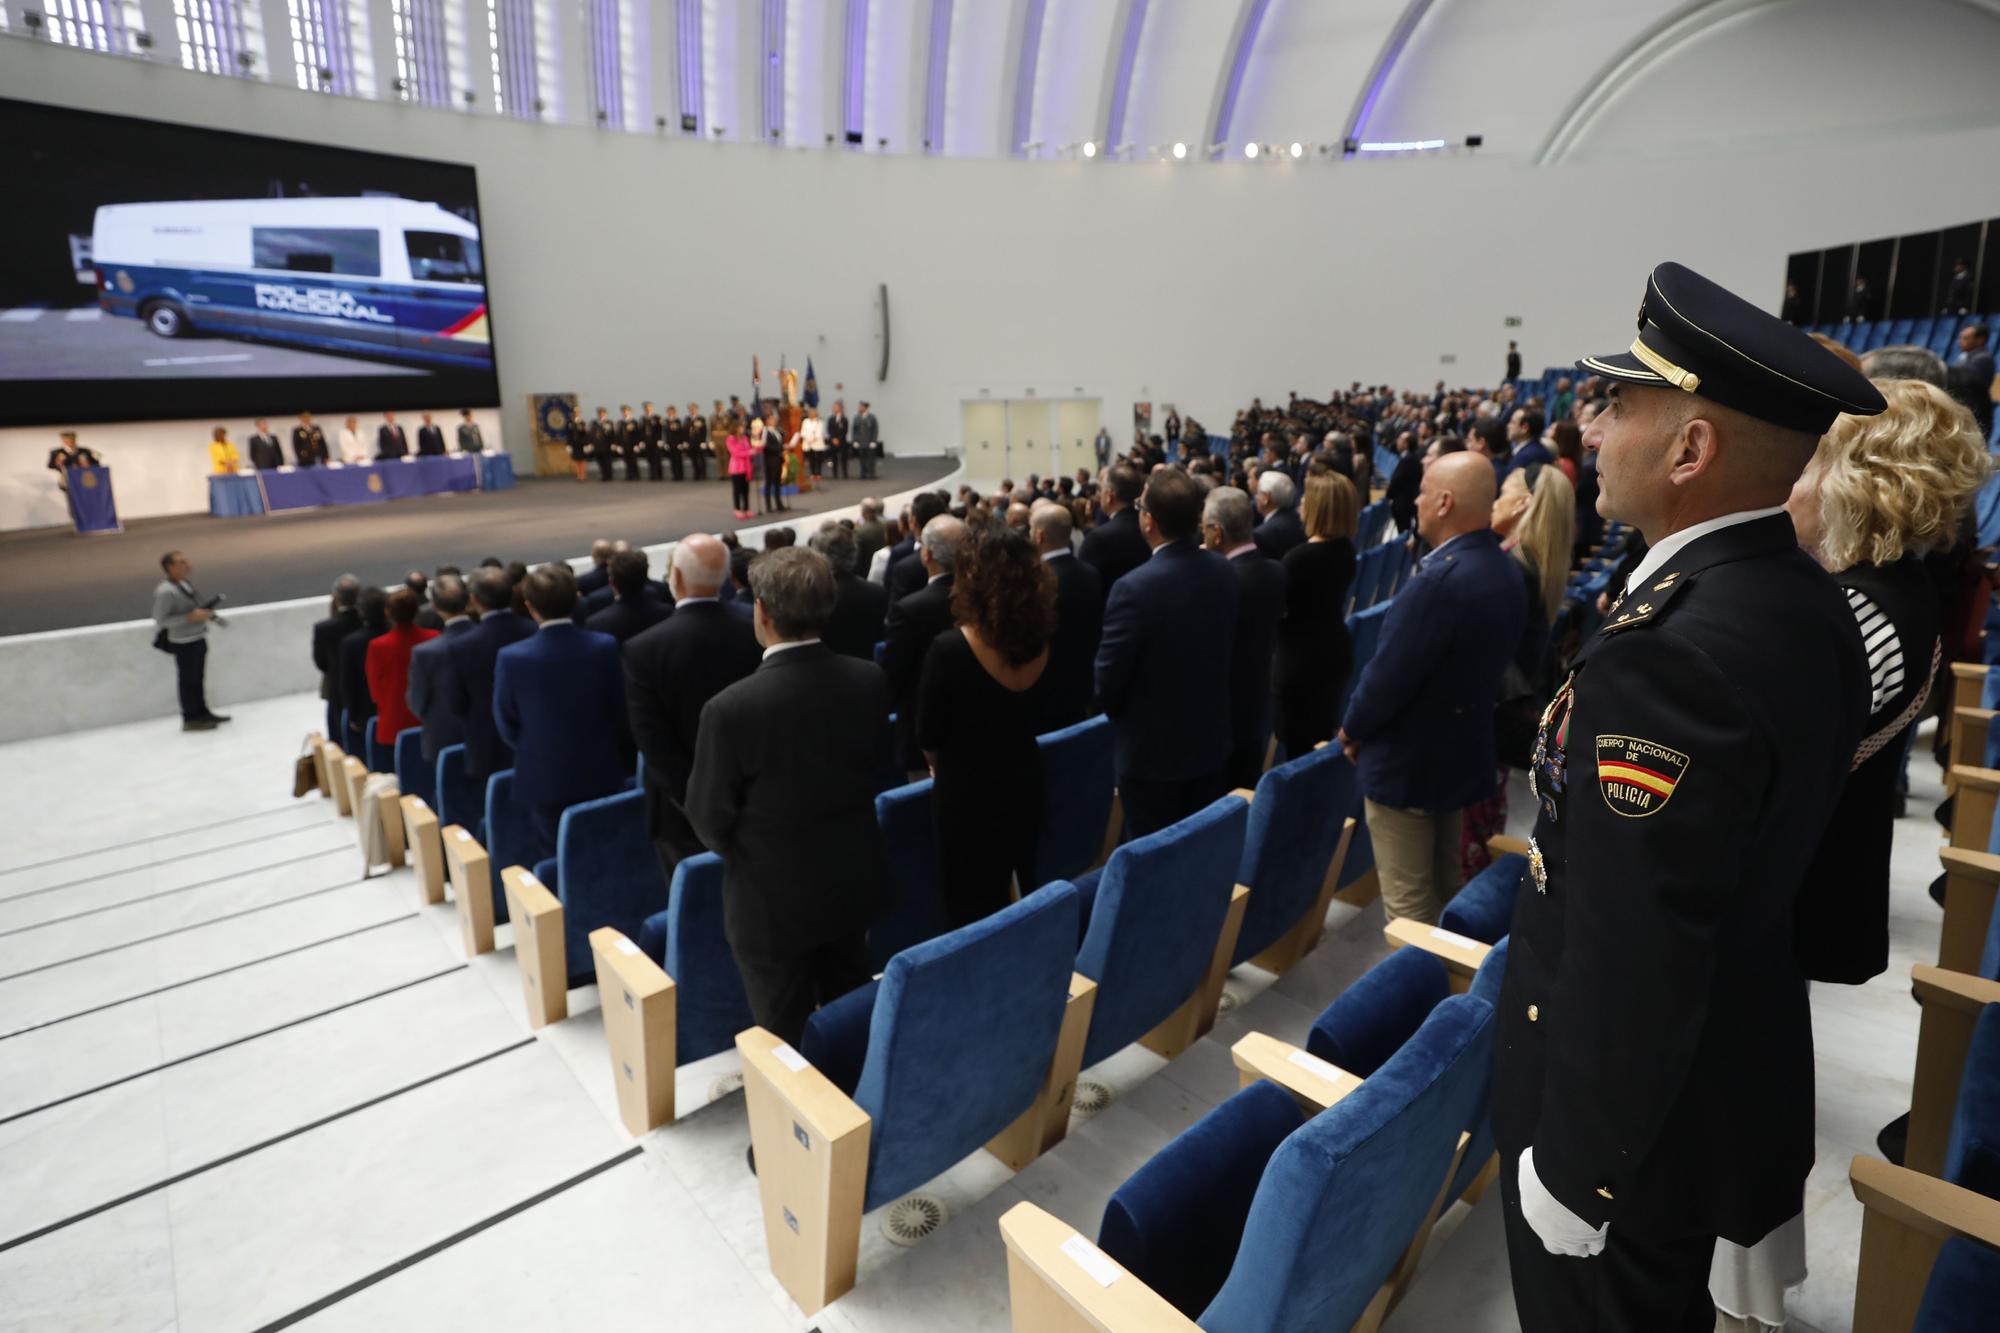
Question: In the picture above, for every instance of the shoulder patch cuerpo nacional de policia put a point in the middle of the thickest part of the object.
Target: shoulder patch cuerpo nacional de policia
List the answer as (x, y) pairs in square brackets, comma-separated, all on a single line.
[(1637, 776)]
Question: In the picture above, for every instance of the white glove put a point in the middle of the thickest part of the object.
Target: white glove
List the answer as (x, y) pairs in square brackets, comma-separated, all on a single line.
[(1560, 1230)]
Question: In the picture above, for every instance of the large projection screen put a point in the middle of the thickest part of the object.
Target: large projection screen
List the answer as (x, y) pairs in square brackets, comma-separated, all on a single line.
[(161, 271)]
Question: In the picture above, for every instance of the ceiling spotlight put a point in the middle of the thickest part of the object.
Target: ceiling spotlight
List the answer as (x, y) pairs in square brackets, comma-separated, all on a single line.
[(1089, 148), (1250, 151), (1298, 150), (1180, 151)]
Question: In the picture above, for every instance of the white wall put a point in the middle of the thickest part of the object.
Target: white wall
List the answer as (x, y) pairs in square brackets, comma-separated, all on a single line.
[(1198, 284)]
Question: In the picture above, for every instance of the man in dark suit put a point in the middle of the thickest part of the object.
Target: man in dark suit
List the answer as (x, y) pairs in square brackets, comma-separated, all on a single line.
[(910, 625), (634, 608), (327, 634), (1067, 686), (430, 439), (869, 535), (860, 607), (430, 667), (308, 442), (1163, 662), (355, 696), (782, 789), (907, 571), (559, 700), (837, 442), (671, 672), (1226, 527), (599, 573), (266, 454), (1277, 502), (1117, 546), (603, 437), (390, 441), (867, 436), (1420, 721), (472, 661), (1686, 772)]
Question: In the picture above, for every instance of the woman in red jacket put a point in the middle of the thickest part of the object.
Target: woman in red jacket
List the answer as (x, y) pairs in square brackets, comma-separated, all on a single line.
[(739, 468), (389, 666)]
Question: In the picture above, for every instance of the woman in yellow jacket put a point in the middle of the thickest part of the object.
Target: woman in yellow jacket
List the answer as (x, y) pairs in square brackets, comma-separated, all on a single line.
[(222, 454)]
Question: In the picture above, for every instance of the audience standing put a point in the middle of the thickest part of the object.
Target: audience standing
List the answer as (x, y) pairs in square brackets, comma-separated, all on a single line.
[(1315, 652), (430, 668), (1067, 688), (388, 667), (343, 619), (913, 624), (1117, 546), (473, 657), (1279, 529), (1228, 519), (634, 609), (859, 607), (355, 695)]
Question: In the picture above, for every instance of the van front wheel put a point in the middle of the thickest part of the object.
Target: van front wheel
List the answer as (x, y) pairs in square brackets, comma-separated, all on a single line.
[(165, 319)]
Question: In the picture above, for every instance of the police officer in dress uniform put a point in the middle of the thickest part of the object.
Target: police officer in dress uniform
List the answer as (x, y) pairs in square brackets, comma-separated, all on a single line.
[(675, 432), (1684, 772), (630, 440), (308, 442), (604, 444), (653, 436), (697, 429)]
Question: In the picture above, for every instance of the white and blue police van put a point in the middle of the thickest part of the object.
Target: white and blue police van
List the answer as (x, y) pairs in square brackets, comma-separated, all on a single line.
[(387, 278)]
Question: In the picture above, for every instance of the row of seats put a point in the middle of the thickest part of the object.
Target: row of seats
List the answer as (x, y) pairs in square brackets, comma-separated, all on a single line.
[(1939, 334)]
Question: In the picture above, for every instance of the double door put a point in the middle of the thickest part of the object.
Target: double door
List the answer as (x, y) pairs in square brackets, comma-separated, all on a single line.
[(1016, 436)]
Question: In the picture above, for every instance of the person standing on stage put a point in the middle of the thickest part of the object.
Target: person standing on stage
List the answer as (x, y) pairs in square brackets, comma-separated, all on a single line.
[(430, 439), (717, 416), (390, 441), (811, 439), (1685, 771), (223, 460), (674, 432), (604, 444), (698, 428), (469, 439), (867, 437), (351, 451), (741, 460), (631, 440), (766, 443), (67, 455), (308, 442), (182, 624), (836, 439), (579, 447), (266, 455), (653, 438)]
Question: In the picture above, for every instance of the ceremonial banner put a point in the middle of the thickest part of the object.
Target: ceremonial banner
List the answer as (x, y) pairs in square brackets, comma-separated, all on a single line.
[(554, 415), (90, 502)]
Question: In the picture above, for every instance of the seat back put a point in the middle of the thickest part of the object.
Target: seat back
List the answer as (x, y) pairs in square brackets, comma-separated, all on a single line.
[(916, 910), (607, 874), (1972, 1157), (460, 799), (1079, 772), (1294, 825), (961, 1038), (710, 1004), (1381, 1010), (1963, 1291), (414, 777), (1484, 909), (509, 837), (381, 755), (1342, 1198), (1159, 909)]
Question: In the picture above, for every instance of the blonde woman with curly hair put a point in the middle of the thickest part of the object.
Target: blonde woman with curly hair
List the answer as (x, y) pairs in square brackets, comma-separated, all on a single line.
[(1880, 493)]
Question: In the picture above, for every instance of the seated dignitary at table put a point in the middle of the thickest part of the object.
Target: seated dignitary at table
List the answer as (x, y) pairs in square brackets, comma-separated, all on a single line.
[(308, 442), (430, 667), (1163, 662), (473, 658), (266, 454), (912, 624), (1686, 769), (223, 460), (634, 607), (342, 619), (783, 788), (860, 607), (1067, 690), (390, 440), (671, 672), (1420, 723), (559, 699), (430, 439), (469, 439)]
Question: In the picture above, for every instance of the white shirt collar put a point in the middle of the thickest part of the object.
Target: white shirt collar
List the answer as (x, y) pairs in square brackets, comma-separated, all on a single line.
[(691, 601), (1664, 549), (1234, 551), (777, 648), (1055, 555), (941, 574)]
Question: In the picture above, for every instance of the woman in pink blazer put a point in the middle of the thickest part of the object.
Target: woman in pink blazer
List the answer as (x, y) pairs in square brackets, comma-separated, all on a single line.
[(739, 467)]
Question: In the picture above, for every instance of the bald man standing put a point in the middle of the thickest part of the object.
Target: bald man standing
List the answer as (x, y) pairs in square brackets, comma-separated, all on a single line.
[(674, 668), (1420, 723)]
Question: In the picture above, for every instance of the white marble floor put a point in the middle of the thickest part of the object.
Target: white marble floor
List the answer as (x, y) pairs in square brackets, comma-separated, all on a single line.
[(243, 1086)]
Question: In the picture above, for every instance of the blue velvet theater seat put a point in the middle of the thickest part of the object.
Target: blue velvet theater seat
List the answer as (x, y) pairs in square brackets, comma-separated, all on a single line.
[(1336, 1202), (461, 799), (1963, 1294), (606, 874), (414, 777), (687, 941), (507, 836), (1484, 909), (955, 1038), (916, 908), (379, 756), (1155, 913), (1289, 844), (1079, 771), (1972, 1158)]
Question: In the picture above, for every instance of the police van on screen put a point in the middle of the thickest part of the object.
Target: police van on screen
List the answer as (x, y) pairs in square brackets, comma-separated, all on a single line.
[(391, 279)]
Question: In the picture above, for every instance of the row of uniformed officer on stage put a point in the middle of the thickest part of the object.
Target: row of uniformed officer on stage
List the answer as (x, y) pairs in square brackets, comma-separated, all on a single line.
[(1653, 1086), (683, 444)]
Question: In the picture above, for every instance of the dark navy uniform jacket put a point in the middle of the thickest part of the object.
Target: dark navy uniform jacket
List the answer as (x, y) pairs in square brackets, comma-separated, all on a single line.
[(1655, 1041)]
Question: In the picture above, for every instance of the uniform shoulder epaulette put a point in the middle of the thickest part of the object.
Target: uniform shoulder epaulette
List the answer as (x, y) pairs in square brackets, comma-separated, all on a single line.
[(1643, 605)]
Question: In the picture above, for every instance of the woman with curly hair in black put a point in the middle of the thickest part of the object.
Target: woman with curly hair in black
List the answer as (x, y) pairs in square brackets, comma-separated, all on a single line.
[(976, 707)]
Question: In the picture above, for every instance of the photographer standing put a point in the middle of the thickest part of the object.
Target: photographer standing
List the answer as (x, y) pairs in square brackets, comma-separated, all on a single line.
[(182, 620)]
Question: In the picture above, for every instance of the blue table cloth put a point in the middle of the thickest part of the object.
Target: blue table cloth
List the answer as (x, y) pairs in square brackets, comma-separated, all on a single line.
[(234, 495), (91, 507), (367, 483), (496, 472)]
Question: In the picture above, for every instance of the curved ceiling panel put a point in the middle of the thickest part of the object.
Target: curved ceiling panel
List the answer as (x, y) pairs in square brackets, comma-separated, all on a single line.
[(1310, 59), (1174, 73)]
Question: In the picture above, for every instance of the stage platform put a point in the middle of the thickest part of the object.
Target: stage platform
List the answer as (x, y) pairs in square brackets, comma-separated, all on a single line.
[(58, 580)]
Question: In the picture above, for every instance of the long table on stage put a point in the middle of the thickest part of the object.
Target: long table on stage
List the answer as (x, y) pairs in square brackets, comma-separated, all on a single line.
[(242, 494)]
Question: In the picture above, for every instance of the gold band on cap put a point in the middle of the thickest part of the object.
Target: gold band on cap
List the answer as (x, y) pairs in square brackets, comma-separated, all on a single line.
[(1685, 380)]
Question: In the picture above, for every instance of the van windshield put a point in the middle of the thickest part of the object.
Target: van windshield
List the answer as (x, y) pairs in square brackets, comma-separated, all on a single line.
[(438, 256)]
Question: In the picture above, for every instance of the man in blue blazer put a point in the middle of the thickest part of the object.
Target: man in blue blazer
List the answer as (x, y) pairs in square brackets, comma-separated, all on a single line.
[(430, 668), (473, 655), (559, 700), (1420, 723), (1163, 662)]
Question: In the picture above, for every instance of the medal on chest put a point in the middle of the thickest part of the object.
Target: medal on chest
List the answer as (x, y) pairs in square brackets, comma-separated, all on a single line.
[(1548, 767)]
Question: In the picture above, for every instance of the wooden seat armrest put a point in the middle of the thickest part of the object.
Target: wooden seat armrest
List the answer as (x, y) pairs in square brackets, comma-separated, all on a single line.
[(1981, 867), (813, 1098), (1979, 779), (1461, 954), (1058, 1282), (1315, 1083), (1968, 671), (1924, 1203), (1502, 845), (1245, 792), (1954, 990)]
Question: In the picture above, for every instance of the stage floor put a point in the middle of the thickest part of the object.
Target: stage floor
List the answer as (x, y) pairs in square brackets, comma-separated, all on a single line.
[(58, 580)]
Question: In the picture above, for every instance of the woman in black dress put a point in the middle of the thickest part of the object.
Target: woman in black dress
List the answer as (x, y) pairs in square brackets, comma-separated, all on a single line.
[(1315, 652), (976, 709)]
